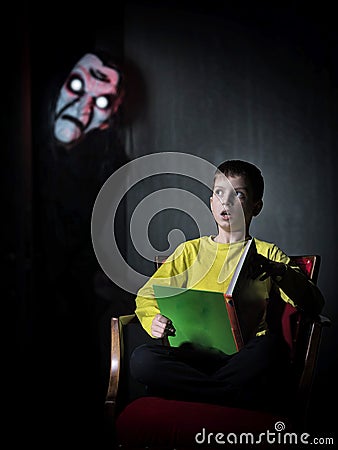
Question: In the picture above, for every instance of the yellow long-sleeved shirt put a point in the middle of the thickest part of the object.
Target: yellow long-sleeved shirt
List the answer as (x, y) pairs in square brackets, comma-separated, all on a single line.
[(206, 265)]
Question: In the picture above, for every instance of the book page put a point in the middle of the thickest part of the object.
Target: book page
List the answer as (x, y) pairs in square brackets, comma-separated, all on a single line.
[(242, 273), (242, 290)]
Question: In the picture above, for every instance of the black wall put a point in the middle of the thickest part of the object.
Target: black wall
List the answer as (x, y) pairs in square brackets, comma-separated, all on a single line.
[(256, 82)]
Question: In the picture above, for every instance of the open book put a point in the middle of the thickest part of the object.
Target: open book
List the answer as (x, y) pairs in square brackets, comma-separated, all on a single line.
[(207, 318)]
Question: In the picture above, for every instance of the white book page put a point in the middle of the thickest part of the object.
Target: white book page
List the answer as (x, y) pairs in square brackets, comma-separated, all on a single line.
[(239, 267)]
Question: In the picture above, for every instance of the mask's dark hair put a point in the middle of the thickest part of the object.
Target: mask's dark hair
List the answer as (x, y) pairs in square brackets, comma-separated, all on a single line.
[(112, 63), (237, 167)]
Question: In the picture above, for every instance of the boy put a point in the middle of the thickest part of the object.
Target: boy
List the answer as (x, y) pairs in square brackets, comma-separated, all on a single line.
[(248, 377)]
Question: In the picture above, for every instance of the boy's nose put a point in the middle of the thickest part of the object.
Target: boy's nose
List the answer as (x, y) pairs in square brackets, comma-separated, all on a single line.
[(227, 200)]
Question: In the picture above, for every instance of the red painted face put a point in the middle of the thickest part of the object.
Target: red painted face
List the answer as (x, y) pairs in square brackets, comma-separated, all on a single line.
[(87, 100)]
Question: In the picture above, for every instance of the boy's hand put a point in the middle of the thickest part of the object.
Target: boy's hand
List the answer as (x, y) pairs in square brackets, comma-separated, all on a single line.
[(162, 326), (263, 268)]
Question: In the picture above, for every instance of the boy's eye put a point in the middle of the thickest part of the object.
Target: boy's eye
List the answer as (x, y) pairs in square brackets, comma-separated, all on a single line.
[(219, 192), (240, 194)]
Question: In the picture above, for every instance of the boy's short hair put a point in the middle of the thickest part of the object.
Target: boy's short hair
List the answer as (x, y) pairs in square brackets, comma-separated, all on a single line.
[(237, 167)]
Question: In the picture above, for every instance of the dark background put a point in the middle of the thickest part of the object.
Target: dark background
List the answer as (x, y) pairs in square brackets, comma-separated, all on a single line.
[(248, 80)]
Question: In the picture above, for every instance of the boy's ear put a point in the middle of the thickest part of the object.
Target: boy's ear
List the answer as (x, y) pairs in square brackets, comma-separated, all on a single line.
[(258, 207)]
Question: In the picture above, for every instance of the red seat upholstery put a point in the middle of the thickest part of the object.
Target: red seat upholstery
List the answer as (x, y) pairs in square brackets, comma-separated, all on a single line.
[(161, 423)]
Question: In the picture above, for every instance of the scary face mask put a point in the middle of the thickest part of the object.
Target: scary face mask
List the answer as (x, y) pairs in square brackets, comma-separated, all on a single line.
[(87, 100)]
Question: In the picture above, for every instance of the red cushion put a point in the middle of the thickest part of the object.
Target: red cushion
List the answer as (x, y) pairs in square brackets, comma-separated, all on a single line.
[(289, 331), (289, 318), (305, 263), (153, 421)]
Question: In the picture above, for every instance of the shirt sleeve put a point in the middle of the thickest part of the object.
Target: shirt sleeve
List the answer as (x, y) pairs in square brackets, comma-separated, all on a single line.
[(305, 294), (170, 273), (295, 287)]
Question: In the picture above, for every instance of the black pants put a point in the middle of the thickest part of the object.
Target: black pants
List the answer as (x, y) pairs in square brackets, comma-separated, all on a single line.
[(256, 376)]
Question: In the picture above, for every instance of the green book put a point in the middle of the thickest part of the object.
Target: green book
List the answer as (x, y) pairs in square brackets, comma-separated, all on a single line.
[(198, 316), (213, 319)]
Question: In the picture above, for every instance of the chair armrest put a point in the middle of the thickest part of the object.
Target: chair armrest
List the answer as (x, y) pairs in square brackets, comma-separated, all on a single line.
[(311, 356), (116, 352), (316, 328)]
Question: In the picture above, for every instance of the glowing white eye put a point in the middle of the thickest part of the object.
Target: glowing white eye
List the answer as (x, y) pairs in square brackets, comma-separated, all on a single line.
[(102, 102), (76, 85)]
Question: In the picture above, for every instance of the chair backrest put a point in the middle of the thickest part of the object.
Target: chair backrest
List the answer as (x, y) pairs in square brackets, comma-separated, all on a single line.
[(292, 318), (159, 260), (309, 264), (303, 334)]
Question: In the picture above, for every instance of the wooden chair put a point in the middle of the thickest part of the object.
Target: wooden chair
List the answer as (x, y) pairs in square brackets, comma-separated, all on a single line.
[(138, 421)]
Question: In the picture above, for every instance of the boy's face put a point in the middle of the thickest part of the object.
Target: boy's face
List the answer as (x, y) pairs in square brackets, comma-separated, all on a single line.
[(232, 203)]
